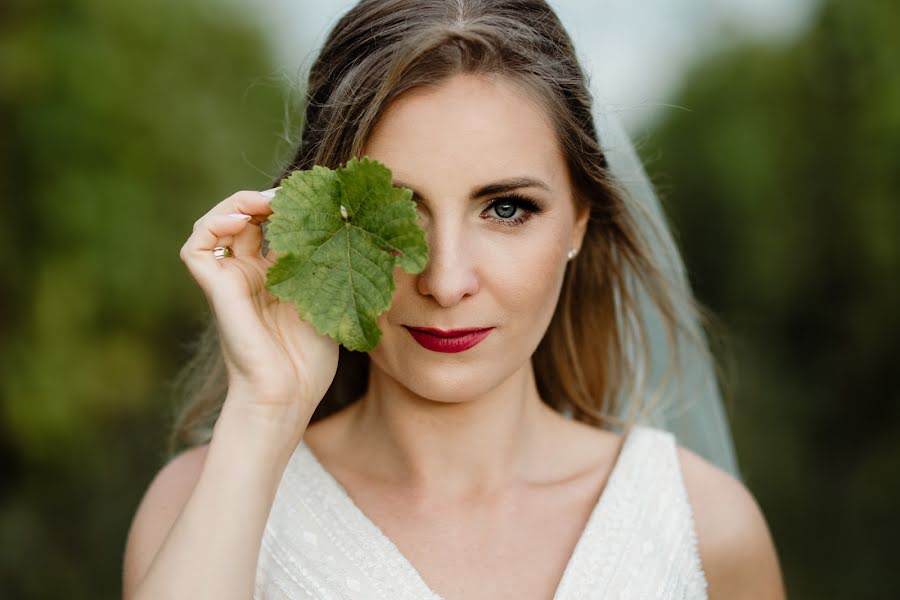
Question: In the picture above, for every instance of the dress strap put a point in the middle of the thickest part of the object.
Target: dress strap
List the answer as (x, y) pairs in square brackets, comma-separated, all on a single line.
[(643, 541)]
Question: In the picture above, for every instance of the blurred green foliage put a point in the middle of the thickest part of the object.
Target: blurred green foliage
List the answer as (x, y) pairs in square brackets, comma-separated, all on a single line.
[(122, 123), (781, 178)]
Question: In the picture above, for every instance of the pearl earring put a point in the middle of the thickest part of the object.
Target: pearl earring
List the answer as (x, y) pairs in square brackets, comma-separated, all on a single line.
[(572, 253)]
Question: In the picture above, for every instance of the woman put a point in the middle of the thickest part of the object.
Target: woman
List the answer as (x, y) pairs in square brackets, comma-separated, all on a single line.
[(480, 467)]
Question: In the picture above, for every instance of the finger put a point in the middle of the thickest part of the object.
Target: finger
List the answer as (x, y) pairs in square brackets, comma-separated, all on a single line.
[(255, 204), (251, 203), (248, 242), (197, 251)]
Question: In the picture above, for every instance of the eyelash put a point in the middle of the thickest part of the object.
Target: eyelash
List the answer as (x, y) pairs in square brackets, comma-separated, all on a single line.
[(527, 205)]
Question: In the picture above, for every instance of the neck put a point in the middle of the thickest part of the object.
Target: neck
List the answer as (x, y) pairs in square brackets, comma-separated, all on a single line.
[(467, 448)]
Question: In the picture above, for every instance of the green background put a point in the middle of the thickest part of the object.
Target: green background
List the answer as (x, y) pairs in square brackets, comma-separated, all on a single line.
[(123, 122)]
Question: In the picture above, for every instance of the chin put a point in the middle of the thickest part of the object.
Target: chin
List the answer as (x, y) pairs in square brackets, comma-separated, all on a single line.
[(450, 385), (445, 396), (444, 383)]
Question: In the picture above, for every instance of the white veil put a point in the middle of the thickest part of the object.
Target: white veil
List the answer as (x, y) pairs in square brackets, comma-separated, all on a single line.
[(689, 406)]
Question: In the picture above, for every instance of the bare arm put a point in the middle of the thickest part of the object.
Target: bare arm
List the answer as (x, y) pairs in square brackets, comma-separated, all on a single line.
[(211, 549), (736, 549), (198, 530)]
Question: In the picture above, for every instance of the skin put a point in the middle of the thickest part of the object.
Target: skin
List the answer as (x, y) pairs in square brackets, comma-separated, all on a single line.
[(464, 423), (481, 487), (463, 441)]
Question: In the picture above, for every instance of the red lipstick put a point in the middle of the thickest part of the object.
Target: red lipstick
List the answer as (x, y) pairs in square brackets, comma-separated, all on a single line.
[(454, 340)]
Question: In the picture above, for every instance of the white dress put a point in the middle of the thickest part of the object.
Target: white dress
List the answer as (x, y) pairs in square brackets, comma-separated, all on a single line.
[(639, 541)]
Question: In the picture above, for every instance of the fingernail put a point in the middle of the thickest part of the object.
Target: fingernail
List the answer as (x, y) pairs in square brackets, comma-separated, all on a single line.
[(270, 193), (240, 216)]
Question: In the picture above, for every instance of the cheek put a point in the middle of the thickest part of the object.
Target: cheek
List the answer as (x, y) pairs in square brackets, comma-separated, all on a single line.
[(526, 282), (403, 297)]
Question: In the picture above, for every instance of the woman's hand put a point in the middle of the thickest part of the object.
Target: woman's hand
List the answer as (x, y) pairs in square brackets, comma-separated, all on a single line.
[(279, 366)]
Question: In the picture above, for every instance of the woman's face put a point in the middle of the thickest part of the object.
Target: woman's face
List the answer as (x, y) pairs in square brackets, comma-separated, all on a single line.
[(494, 262)]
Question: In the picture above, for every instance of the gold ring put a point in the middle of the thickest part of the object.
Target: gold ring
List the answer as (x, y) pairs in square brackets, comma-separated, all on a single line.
[(223, 252)]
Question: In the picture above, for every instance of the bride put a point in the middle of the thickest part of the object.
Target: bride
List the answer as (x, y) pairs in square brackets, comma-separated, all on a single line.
[(522, 458)]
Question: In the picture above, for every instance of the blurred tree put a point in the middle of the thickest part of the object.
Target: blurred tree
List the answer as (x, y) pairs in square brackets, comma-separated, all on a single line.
[(781, 177), (122, 123)]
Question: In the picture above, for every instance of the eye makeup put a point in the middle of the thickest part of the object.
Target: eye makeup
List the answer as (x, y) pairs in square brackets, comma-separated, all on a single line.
[(526, 207)]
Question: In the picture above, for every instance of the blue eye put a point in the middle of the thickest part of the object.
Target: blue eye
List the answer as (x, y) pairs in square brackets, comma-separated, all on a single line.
[(507, 206)]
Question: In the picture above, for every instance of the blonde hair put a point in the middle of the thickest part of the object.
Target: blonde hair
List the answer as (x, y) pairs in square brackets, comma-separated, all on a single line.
[(592, 353)]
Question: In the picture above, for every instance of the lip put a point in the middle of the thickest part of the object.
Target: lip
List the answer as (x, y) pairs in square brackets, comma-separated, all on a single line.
[(454, 340)]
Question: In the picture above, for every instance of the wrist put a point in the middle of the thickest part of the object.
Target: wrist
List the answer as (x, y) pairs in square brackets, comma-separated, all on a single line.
[(270, 435)]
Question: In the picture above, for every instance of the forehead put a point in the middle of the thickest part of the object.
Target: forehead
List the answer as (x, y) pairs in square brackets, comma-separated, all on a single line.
[(468, 129)]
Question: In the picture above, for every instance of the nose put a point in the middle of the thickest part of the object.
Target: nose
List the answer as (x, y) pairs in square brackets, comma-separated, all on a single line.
[(450, 274)]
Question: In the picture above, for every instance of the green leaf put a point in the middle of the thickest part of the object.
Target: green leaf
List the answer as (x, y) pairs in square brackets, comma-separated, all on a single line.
[(343, 231)]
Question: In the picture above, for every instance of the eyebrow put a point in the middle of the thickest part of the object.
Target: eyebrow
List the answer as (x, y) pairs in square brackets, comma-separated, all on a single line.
[(491, 189)]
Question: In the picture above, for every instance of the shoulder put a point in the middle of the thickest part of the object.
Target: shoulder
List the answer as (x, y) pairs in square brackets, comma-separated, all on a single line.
[(736, 549), (163, 501)]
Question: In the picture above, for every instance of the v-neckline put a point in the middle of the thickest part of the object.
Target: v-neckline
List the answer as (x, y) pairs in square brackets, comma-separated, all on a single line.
[(411, 575)]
